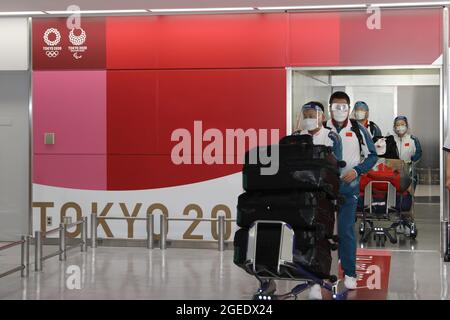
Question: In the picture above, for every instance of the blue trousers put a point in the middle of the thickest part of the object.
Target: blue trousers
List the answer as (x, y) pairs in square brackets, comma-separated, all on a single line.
[(346, 229)]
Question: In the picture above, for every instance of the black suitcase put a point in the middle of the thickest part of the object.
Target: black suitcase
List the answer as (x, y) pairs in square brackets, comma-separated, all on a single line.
[(308, 210), (310, 253), (240, 247), (300, 164), (306, 176), (316, 258)]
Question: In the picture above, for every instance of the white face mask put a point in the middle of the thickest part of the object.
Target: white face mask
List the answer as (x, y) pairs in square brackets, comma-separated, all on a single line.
[(310, 124), (360, 115), (401, 129), (340, 115)]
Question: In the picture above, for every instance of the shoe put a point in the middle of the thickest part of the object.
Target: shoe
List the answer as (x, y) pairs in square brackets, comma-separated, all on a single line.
[(315, 293), (350, 283), (407, 231)]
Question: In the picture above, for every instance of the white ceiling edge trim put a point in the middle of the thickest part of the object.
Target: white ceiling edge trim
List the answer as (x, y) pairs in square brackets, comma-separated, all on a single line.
[(257, 9)]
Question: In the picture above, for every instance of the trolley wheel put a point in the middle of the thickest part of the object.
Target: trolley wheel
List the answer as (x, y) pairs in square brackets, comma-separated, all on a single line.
[(378, 239), (362, 228), (383, 240), (264, 297), (413, 231)]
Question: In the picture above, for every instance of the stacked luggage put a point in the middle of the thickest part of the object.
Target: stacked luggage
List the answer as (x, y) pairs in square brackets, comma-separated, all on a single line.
[(303, 194)]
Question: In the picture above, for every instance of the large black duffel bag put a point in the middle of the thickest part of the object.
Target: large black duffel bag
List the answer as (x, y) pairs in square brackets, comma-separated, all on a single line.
[(301, 165), (309, 210), (310, 253)]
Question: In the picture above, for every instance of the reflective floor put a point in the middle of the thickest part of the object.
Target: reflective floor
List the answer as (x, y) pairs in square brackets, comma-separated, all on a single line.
[(417, 272)]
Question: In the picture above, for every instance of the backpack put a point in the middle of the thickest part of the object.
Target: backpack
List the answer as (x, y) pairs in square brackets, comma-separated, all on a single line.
[(372, 127)]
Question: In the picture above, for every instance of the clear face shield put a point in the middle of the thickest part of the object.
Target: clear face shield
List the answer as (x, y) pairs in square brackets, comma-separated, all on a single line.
[(309, 118), (340, 111)]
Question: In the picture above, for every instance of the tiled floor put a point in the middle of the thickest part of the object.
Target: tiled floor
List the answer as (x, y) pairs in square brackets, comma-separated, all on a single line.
[(417, 272)]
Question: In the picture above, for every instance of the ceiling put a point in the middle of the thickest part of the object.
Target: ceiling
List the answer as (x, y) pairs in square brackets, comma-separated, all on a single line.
[(46, 5)]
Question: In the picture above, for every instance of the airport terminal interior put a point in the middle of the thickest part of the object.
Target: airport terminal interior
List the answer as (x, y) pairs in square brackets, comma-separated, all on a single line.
[(92, 106)]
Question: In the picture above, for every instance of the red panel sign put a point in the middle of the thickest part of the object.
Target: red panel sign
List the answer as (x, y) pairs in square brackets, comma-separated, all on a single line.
[(55, 46), (372, 269)]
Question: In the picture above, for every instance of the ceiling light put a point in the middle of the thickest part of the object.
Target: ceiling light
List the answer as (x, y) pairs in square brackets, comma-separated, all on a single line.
[(411, 4), (21, 13), (318, 7), (202, 9), (98, 11)]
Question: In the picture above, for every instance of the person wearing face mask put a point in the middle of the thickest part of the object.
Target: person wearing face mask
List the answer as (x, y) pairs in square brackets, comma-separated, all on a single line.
[(359, 154), (311, 122), (409, 149), (361, 114)]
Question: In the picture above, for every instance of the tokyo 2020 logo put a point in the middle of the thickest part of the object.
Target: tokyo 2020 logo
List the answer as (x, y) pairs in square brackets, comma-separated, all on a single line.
[(52, 38), (57, 34)]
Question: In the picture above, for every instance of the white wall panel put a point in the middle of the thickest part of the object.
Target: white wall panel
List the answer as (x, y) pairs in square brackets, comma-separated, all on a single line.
[(14, 44)]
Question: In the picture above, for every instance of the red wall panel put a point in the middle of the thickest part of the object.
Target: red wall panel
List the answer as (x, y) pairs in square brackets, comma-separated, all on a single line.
[(132, 112), (221, 99), (197, 41), (314, 39), (138, 172), (91, 56), (406, 37)]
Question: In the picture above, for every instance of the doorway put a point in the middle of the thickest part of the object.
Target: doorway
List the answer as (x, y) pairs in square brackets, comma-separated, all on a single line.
[(389, 91)]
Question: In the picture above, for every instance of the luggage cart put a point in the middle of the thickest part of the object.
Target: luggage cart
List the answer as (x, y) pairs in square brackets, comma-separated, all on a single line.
[(284, 267), (392, 213), (406, 220)]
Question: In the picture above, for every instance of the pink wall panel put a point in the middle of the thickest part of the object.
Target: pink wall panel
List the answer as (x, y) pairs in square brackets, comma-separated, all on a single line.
[(406, 37), (72, 104), (197, 41), (71, 171), (314, 39)]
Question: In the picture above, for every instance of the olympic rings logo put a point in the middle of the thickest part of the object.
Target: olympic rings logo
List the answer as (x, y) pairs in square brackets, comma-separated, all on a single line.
[(77, 40), (49, 32), (52, 54)]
